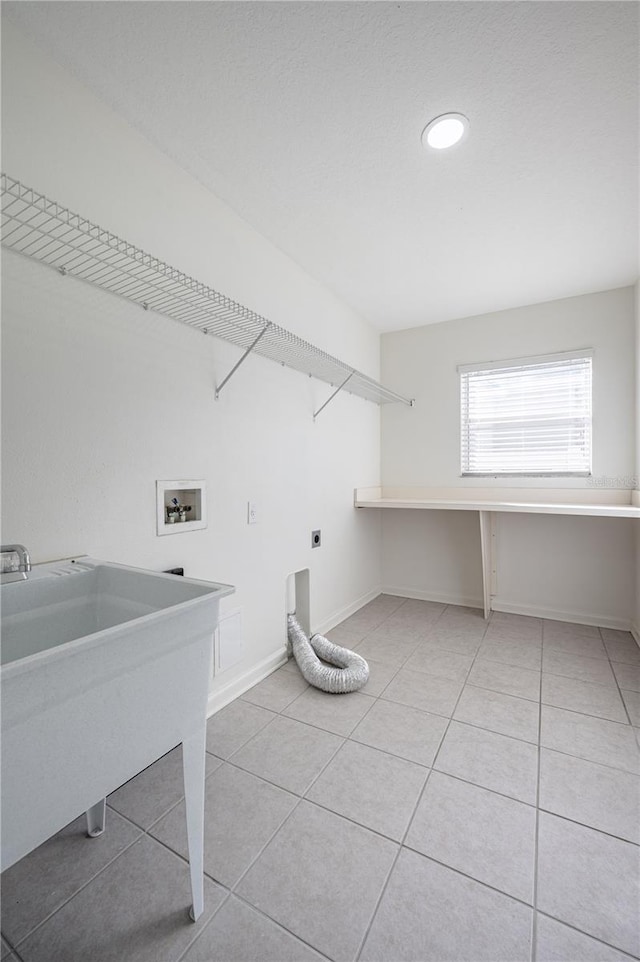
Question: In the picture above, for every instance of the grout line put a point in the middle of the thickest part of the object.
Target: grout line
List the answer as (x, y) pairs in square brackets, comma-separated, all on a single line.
[(81, 887), (204, 927), (591, 828), (534, 917), (568, 925), (472, 878), (615, 678)]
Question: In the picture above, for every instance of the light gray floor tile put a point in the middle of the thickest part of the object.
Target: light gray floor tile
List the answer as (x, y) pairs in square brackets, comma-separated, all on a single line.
[(4, 949), (595, 739), (402, 731), (625, 652), (426, 692), (351, 786), (467, 626), (241, 814), (627, 676), (582, 696), (380, 674), (238, 933), (364, 620), (327, 901), (277, 691), (431, 912), (344, 636), (416, 615), (484, 835), (440, 663), (556, 942), (234, 725), (601, 797), (583, 646), (503, 635), (145, 798), (334, 713), (463, 614), (288, 753), (464, 641), (568, 629), (518, 653), (390, 648), (615, 634), (506, 619), (632, 704), (135, 910), (594, 670), (500, 713), (42, 881), (590, 880), (501, 764), (621, 646), (509, 679)]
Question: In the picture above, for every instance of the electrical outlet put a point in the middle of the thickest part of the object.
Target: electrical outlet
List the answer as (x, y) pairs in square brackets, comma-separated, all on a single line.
[(316, 539), (252, 512)]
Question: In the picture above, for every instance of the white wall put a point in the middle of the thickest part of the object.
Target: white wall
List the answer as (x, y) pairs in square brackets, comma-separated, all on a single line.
[(580, 569), (101, 398)]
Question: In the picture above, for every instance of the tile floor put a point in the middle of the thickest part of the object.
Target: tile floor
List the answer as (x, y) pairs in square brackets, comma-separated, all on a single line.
[(477, 800)]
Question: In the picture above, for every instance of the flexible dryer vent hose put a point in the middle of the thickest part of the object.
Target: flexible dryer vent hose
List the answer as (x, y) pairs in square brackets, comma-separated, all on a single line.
[(350, 672)]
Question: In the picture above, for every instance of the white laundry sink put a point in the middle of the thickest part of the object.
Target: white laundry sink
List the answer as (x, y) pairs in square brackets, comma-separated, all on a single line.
[(104, 669)]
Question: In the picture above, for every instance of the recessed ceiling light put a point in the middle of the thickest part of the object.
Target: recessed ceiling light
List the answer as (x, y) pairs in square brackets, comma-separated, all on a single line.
[(445, 131)]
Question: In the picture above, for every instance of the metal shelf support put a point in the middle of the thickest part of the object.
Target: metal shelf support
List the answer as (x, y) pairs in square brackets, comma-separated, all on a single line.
[(331, 397), (243, 358)]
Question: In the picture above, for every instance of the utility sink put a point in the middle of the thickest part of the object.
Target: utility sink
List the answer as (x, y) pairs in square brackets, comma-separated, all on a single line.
[(104, 669)]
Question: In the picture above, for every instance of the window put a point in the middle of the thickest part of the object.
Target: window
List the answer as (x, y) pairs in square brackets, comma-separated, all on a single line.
[(529, 416)]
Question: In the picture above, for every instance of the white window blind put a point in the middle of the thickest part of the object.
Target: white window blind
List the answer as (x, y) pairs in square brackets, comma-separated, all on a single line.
[(530, 416)]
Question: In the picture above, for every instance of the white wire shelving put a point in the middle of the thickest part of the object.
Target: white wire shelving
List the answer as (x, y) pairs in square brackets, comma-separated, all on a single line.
[(41, 229)]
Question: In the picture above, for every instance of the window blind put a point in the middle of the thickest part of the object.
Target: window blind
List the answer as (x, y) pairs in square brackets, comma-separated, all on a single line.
[(527, 416)]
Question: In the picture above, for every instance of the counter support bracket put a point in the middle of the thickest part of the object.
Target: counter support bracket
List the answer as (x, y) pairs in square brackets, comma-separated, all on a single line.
[(489, 564)]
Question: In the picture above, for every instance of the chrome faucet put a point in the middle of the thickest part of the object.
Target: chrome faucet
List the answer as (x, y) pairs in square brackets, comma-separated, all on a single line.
[(10, 563)]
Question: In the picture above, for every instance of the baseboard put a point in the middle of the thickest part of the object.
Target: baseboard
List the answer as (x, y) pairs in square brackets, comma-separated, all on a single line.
[(223, 694), (635, 631), (534, 611), (345, 612), (400, 592), (557, 614)]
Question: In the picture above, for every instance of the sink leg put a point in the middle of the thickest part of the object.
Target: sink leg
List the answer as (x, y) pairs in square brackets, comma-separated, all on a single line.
[(96, 817), (193, 764)]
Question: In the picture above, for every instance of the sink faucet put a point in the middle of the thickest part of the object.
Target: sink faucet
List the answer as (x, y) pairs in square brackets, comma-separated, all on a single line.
[(10, 563)]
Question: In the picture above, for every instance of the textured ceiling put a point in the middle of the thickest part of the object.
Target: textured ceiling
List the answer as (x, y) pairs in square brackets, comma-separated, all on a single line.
[(306, 119)]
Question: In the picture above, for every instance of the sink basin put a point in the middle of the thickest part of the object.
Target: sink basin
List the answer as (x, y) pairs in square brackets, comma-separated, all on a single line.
[(104, 669)]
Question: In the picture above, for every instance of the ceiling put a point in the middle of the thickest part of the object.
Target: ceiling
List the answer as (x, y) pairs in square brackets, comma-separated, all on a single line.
[(306, 119)]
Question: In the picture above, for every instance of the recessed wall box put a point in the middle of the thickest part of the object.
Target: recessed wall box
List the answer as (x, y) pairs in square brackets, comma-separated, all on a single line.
[(181, 505)]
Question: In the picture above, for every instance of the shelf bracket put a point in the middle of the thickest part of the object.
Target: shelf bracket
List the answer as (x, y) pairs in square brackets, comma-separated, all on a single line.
[(337, 391), (243, 358)]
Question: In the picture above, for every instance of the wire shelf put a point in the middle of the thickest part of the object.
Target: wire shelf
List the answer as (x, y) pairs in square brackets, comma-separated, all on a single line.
[(40, 228)]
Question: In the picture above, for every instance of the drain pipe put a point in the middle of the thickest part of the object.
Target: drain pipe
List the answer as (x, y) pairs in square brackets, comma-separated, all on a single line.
[(345, 672)]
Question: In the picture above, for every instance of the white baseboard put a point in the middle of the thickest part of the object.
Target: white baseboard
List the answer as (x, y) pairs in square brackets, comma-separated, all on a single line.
[(463, 601), (534, 611), (224, 693), (557, 614), (351, 609)]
